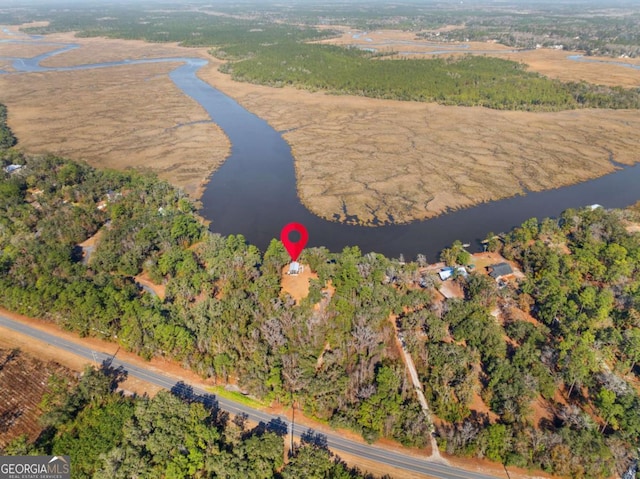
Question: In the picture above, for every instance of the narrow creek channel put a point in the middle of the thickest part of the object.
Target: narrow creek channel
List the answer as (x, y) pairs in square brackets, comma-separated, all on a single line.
[(254, 192)]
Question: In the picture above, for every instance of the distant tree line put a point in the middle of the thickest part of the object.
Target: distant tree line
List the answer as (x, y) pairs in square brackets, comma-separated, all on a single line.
[(189, 28), (467, 81), (7, 138), (595, 33), (268, 50)]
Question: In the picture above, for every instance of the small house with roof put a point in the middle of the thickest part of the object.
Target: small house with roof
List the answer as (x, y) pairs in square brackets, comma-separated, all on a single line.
[(445, 273), (449, 272), (12, 168), (497, 271), (295, 268)]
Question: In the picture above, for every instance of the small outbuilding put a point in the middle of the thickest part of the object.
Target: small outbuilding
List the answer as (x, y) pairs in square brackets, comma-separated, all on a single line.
[(295, 268), (448, 272), (497, 271), (445, 273), (12, 168)]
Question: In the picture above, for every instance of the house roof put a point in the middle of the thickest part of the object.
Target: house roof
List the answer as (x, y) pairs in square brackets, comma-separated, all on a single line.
[(294, 267), (12, 168), (500, 269), (445, 273)]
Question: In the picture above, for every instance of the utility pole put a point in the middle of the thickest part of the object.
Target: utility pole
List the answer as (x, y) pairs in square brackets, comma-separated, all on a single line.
[(293, 418)]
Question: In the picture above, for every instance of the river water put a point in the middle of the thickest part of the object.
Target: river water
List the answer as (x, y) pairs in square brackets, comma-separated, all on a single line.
[(254, 192)]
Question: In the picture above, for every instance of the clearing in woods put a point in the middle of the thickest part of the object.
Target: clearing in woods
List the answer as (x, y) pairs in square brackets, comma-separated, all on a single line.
[(25, 380)]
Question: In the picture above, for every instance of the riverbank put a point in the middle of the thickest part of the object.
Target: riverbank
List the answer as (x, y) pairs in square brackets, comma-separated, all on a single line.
[(360, 160), (130, 116), (385, 160)]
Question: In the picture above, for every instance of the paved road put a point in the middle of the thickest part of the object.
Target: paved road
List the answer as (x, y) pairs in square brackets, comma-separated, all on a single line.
[(333, 440)]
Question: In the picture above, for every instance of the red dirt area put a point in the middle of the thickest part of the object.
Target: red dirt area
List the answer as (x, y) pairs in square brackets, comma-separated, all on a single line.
[(25, 380), (297, 285), (541, 409), (520, 315), (451, 289), (478, 405)]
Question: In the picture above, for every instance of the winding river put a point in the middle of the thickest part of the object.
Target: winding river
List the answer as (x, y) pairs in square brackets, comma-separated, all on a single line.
[(254, 192)]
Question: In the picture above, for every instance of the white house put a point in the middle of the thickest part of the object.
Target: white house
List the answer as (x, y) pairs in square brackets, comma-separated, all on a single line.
[(295, 268)]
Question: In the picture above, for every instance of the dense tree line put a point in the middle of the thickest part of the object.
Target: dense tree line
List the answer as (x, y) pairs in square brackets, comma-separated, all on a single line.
[(110, 436), (224, 314), (7, 138), (579, 355), (333, 355), (470, 80), (188, 28)]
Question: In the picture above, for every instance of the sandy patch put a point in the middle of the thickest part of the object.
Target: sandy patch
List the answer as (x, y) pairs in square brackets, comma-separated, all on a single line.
[(541, 411), (297, 286), (633, 228), (130, 116), (145, 281), (451, 289), (92, 241), (518, 315), (478, 405)]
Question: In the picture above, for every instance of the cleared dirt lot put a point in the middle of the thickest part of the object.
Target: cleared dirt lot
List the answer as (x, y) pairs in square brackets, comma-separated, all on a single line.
[(25, 380), (397, 161)]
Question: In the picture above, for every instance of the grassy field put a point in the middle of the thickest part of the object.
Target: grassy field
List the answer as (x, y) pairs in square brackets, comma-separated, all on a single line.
[(409, 161), (236, 396), (122, 117)]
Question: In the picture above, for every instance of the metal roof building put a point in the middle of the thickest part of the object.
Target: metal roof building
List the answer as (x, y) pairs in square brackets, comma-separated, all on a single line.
[(499, 270)]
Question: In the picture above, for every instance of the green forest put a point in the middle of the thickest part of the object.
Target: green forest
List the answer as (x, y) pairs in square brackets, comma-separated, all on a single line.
[(7, 138), (467, 81), (569, 334), (111, 436), (189, 28)]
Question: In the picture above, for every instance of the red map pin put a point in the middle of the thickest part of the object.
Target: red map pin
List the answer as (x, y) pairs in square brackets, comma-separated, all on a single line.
[(294, 248)]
